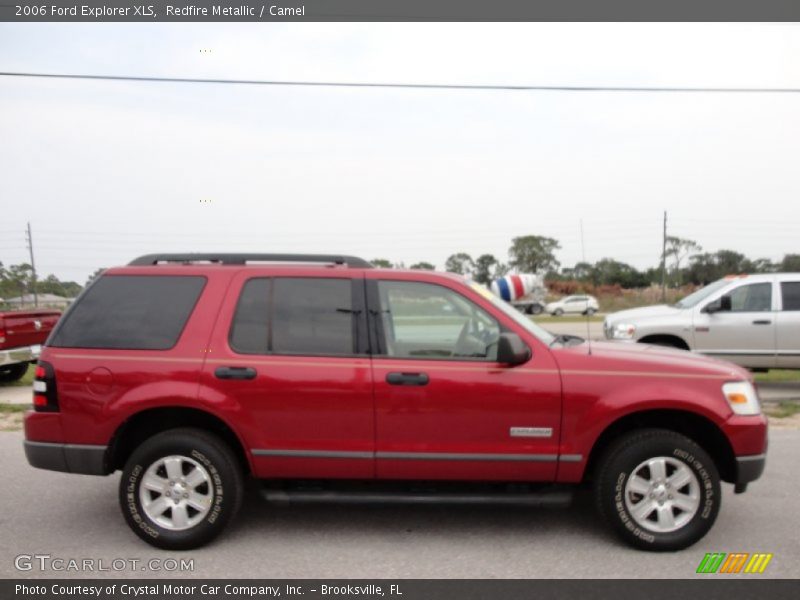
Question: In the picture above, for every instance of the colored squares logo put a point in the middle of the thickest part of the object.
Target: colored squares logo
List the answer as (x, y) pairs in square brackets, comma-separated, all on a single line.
[(735, 562)]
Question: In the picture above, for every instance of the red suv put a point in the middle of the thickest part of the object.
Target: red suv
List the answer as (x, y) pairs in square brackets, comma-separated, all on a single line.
[(329, 379)]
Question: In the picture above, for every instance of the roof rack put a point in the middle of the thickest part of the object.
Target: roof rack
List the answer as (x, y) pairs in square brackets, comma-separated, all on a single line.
[(242, 259)]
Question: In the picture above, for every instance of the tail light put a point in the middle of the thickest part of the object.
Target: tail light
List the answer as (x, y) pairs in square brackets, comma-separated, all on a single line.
[(45, 393), (2, 335)]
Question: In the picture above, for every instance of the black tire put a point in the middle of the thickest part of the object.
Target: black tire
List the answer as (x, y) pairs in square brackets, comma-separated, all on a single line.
[(558, 312), (11, 373), (619, 463), (220, 465), (589, 312), (536, 309)]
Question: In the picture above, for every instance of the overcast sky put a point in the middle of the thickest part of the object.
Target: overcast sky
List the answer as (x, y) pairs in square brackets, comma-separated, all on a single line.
[(105, 171)]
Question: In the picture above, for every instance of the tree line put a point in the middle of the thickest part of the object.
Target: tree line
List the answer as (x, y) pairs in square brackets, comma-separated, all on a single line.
[(17, 280), (684, 262)]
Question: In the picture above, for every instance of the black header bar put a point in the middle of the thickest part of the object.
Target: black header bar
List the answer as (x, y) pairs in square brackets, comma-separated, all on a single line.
[(400, 10)]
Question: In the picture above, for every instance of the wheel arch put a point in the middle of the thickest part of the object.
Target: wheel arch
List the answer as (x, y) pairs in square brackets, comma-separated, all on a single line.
[(665, 339), (146, 423), (700, 429)]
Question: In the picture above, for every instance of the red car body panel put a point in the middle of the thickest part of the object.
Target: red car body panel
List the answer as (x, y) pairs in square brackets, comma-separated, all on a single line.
[(343, 407), (19, 328)]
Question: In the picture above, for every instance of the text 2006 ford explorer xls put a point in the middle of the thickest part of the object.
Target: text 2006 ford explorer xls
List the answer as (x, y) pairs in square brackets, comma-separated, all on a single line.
[(190, 372)]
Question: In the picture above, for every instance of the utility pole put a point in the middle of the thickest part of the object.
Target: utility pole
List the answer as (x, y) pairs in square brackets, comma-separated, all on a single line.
[(664, 262), (33, 266)]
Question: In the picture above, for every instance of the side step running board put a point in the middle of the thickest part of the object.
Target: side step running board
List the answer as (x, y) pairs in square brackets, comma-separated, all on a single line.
[(549, 499)]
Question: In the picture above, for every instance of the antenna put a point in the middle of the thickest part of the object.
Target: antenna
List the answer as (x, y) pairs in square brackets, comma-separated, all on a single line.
[(588, 324)]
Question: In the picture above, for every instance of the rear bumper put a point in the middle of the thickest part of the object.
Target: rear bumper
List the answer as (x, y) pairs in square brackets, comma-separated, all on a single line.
[(68, 458), (748, 468), (19, 355)]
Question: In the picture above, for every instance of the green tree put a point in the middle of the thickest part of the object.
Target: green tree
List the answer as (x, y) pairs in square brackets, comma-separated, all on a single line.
[(381, 263), (423, 266), (94, 275), (533, 253), (20, 278), (613, 272), (460, 263), (678, 249), (485, 268), (764, 265), (790, 263)]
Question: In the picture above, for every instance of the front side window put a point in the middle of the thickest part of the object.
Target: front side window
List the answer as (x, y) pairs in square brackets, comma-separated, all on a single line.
[(422, 320), (790, 290), (286, 315), (756, 297)]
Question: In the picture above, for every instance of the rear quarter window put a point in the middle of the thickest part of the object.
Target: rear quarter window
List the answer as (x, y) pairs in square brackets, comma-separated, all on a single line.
[(130, 312)]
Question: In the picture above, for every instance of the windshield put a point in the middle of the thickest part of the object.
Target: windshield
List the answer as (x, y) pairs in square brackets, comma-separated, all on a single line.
[(701, 294), (544, 336)]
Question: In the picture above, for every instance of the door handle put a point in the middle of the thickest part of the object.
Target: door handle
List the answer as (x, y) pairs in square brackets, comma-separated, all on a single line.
[(407, 378), (762, 322), (235, 373)]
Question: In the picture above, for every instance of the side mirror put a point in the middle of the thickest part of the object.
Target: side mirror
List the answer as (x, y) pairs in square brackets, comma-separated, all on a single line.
[(721, 304), (511, 350)]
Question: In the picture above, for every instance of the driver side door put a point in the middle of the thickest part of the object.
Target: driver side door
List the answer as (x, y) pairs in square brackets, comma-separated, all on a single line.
[(444, 407)]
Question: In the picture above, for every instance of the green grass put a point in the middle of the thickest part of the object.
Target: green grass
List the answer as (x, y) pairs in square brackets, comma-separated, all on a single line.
[(565, 319), (27, 379), (13, 408), (777, 376), (782, 410)]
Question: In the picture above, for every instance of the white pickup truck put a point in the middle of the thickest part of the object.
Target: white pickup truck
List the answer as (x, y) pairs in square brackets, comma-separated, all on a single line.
[(751, 320)]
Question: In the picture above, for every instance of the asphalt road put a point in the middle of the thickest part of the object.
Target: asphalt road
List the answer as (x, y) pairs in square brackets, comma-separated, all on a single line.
[(76, 516)]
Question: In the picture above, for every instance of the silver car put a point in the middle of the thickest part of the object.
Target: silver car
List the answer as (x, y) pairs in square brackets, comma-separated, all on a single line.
[(752, 320)]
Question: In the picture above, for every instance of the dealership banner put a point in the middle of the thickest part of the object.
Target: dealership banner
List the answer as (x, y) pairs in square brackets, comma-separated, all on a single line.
[(401, 10), (398, 589)]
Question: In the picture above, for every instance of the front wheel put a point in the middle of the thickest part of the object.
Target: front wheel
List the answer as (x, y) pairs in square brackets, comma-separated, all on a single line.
[(658, 490), (558, 312), (180, 488)]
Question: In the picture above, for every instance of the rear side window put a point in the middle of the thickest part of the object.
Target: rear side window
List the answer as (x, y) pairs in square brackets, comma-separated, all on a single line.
[(287, 315), (791, 295), (131, 312)]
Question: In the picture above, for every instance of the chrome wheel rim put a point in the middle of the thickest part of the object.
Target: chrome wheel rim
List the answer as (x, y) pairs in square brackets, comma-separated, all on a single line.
[(176, 492), (662, 494)]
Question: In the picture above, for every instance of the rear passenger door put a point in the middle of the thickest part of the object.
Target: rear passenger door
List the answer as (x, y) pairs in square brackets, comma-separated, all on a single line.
[(290, 353), (788, 325)]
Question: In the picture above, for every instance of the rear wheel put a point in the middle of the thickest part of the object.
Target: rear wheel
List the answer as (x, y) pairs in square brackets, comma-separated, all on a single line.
[(180, 488), (536, 309), (13, 372), (658, 490)]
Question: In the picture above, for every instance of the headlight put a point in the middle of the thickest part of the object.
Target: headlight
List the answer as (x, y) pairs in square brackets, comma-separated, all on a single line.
[(742, 398), (622, 331)]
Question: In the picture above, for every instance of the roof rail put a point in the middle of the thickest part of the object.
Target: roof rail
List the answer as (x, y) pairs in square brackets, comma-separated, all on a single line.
[(242, 259)]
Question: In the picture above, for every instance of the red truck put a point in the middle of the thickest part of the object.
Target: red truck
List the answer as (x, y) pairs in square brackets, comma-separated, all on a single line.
[(22, 333), (331, 380)]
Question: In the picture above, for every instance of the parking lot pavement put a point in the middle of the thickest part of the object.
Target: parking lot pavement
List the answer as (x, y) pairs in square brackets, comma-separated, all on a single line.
[(77, 516), (16, 394)]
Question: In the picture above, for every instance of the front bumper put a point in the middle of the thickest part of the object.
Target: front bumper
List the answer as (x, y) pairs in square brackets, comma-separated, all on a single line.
[(20, 355), (68, 458)]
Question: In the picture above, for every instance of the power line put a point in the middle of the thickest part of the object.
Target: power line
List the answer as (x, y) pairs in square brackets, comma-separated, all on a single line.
[(418, 86)]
